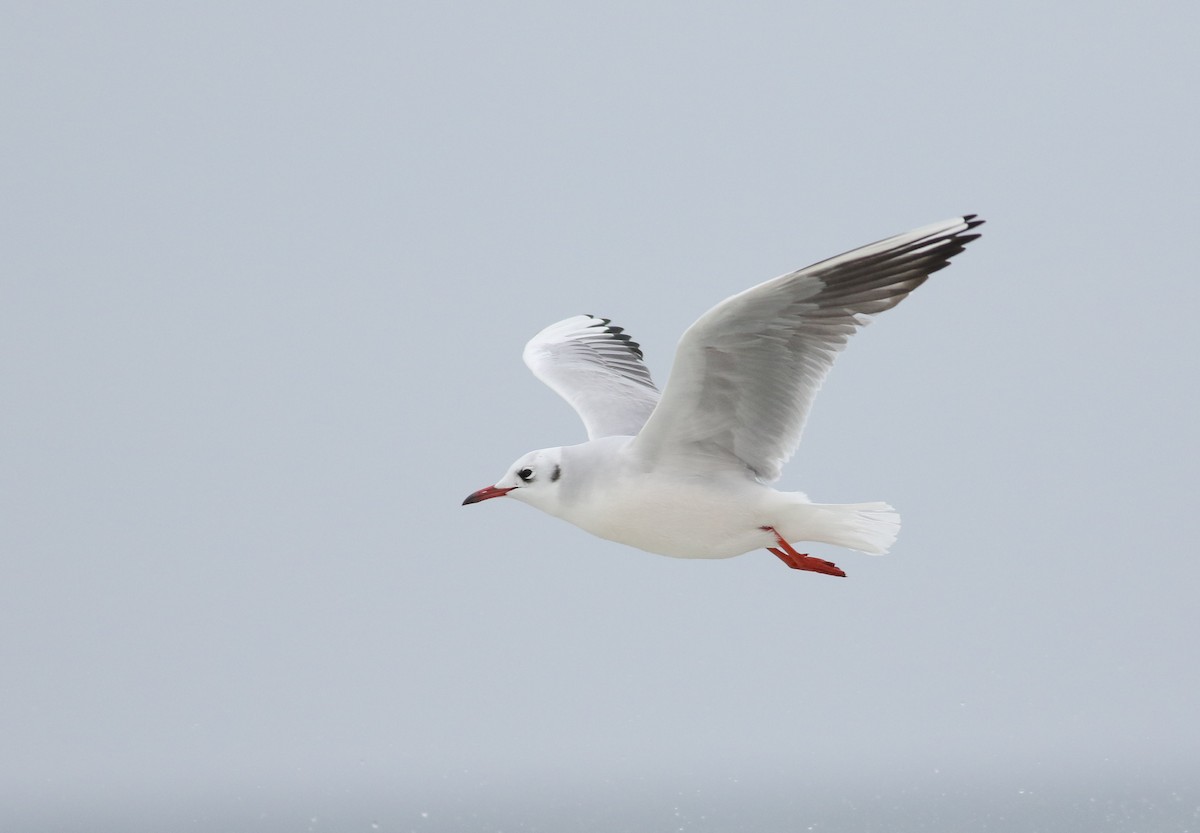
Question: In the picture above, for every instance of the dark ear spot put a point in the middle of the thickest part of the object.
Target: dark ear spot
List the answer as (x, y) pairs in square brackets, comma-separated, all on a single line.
[(557, 474)]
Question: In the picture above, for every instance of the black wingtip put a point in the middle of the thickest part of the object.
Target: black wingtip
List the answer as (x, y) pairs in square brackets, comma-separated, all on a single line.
[(617, 333)]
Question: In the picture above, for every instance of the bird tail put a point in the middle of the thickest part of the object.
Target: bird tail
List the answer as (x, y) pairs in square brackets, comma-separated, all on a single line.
[(867, 527)]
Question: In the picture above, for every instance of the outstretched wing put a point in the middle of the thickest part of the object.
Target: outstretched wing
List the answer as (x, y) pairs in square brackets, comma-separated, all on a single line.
[(598, 369), (747, 371)]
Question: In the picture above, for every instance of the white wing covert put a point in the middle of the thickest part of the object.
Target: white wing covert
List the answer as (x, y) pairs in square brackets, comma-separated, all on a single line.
[(598, 369), (746, 372)]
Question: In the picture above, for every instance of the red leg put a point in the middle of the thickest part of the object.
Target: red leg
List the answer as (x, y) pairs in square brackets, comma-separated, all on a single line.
[(784, 557), (799, 561)]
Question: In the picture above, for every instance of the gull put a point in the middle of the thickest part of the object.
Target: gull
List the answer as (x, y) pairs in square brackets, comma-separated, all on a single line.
[(687, 473)]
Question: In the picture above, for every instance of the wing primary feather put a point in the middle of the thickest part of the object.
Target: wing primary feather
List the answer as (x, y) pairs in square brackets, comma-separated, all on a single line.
[(747, 371), (619, 334), (597, 368)]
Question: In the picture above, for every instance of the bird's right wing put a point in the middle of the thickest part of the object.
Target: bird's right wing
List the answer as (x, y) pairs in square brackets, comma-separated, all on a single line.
[(598, 369), (747, 371)]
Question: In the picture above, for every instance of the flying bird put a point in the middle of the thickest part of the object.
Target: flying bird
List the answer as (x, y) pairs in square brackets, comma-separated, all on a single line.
[(686, 473)]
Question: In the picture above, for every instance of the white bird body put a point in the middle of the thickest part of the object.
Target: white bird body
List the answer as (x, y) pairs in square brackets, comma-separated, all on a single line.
[(611, 493), (686, 474)]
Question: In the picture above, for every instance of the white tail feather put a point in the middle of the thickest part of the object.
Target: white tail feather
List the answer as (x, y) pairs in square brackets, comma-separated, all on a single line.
[(867, 527)]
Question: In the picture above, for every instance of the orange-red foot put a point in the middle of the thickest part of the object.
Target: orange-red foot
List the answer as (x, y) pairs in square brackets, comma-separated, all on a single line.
[(799, 561)]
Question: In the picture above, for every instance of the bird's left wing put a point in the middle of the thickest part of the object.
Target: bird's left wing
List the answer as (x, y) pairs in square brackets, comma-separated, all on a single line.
[(598, 369), (746, 373)]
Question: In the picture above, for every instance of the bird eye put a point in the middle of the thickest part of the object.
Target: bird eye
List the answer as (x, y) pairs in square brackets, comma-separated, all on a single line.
[(525, 474)]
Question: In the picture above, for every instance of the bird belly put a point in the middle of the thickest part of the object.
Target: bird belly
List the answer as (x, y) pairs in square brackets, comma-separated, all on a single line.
[(683, 520)]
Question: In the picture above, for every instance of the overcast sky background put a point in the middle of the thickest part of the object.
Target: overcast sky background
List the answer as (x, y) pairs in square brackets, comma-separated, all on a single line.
[(267, 270)]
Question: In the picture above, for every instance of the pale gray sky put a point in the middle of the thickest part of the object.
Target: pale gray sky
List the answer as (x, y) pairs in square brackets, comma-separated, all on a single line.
[(267, 273)]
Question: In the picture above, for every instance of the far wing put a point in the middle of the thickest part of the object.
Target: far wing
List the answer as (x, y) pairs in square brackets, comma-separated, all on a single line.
[(598, 369), (747, 371)]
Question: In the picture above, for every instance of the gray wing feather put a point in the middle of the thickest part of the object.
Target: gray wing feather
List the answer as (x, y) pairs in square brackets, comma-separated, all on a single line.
[(598, 369), (747, 371)]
